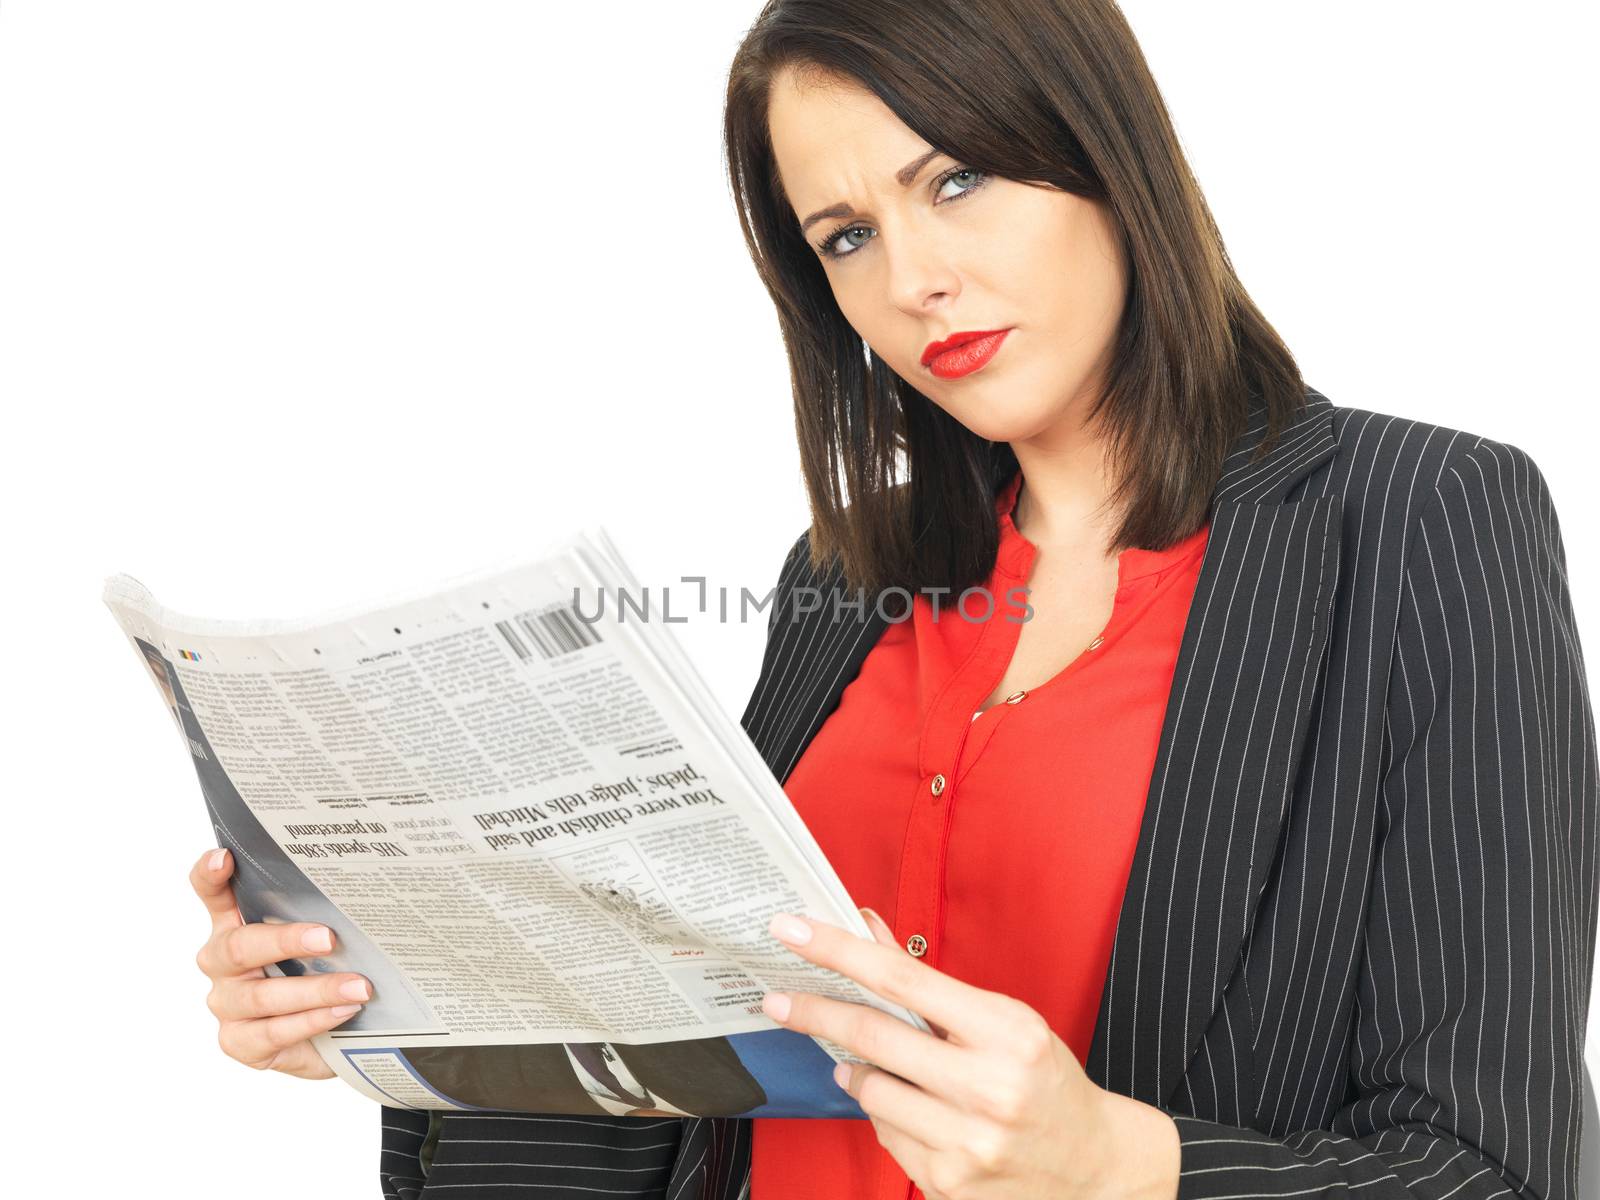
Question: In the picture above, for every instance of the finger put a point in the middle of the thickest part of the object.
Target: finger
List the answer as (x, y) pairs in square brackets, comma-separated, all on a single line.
[(885, 936), (239, 999), (301, 1060), (970, 1015), (258, 1043), (251, 947), (927, 1118), (209, 878), (886, 1041), (880, 928)]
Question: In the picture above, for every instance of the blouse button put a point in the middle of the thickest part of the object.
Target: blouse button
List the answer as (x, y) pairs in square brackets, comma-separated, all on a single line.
[(917, 945), (1096, 642), (1015, 696), (937, 786)]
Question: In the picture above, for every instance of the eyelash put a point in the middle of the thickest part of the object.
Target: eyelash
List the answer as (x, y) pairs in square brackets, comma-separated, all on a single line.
[(825, 246)]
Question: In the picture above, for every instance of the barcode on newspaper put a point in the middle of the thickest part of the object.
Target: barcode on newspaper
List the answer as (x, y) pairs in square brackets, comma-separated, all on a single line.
[(549, 633)]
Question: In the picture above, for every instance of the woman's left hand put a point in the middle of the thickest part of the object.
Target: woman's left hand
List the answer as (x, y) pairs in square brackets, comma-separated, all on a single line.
[(992, 1105)]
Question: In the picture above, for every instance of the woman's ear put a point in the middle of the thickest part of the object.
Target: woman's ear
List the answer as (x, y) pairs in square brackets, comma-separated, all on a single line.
[(880, 927)]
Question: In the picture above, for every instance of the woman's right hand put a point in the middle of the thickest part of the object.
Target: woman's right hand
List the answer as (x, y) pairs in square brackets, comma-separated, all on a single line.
[(264, 1021)]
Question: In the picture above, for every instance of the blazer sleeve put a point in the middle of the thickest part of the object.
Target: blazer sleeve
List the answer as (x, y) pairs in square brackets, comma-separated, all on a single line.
[(1465, 1051), (401, 1174)]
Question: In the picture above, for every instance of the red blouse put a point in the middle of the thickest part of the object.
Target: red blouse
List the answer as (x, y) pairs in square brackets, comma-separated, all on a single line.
[(966, 847)]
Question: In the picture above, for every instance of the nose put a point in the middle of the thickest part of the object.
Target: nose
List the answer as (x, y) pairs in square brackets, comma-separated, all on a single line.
[(921, 275)]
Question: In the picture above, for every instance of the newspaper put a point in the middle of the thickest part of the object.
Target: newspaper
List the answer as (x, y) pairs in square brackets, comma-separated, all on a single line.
[(530, 825)]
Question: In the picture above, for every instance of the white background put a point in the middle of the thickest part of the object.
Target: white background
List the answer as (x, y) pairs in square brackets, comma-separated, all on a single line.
[(301, 303)]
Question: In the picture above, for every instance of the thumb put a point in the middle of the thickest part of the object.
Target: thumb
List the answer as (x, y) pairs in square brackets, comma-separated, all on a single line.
[(880, 928), (209, 878)]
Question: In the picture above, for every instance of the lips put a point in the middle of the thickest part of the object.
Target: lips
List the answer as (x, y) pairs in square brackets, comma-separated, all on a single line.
[(962, 353)]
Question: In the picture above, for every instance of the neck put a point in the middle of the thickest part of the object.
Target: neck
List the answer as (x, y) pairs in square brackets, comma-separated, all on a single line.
[(1066, 487)]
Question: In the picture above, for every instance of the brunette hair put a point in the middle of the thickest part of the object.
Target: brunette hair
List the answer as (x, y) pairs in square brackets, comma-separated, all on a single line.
[(1054, 91)]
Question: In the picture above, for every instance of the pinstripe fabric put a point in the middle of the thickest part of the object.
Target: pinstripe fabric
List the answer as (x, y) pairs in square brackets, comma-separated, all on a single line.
[(1355, 944), (521, 1154)]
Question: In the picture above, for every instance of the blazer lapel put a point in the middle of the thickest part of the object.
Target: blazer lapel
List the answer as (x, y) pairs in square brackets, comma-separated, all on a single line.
[(1231, 740), (809, 661)]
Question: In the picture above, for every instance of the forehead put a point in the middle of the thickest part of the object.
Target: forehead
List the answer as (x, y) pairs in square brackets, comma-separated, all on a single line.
[(832, 138)]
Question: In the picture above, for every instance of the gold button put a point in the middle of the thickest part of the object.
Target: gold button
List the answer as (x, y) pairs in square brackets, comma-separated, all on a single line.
[(1015, 696), (937, 786), (1096, 642), (917, 945)]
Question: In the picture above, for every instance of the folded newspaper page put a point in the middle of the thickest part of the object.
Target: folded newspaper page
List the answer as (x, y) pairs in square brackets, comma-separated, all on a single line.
[(530, 824)]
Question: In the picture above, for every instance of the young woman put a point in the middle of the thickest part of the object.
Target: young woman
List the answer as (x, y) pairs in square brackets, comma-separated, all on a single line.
[(1259, 859)]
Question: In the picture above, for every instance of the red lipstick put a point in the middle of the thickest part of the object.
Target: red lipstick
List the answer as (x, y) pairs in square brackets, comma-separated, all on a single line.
[(962, 353)]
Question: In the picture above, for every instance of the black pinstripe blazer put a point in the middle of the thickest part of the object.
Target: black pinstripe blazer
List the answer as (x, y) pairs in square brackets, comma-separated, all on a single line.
[(1355, 947)]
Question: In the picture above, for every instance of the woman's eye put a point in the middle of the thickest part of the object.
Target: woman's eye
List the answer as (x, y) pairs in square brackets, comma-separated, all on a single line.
[(974, 179), (839, 243), (833, 246)]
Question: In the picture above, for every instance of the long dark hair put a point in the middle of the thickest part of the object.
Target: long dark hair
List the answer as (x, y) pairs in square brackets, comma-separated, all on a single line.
[(1053, 91)]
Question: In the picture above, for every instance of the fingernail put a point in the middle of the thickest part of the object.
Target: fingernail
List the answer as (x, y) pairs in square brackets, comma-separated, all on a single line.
[(791, 929), (355, 989), (317, 940), (841, 1075), (872, 915), (344, 1010), (218, 857), (776, 1005)]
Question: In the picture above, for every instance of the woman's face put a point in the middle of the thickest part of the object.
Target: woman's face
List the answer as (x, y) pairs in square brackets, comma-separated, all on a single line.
[(943, 250)]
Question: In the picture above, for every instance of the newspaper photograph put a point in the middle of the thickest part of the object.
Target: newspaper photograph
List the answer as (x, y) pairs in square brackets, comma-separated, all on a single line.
[(530, 825)]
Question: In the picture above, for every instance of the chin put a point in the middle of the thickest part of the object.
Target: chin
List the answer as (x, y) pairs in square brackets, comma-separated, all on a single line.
[(998, 424)]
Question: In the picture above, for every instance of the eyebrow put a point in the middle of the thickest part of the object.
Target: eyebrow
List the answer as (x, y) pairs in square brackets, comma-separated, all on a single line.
[(903, 177)]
